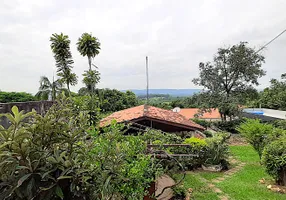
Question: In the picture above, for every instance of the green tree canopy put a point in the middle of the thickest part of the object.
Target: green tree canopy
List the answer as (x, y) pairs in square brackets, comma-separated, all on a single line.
[(89, 46), (274, 96), (6, 97), (113, 100), (233, 72)]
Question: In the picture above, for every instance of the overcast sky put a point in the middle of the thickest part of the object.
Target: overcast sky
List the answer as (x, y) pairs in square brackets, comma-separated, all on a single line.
[(176, 35)]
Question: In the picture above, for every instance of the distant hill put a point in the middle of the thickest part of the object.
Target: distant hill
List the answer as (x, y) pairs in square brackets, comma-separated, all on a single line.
[(172, 92)]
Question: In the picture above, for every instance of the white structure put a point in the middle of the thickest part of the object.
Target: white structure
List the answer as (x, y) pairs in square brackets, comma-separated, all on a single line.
[(264, 113)]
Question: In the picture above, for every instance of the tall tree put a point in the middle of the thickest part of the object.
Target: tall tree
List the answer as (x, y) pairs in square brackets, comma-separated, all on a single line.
[(89, 46), (234, 71), (60, 45), (49, 89)]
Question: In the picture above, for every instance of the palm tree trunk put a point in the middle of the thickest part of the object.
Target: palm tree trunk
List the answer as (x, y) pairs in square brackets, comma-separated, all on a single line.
[(53, 94), (68, 86), (89, 63)]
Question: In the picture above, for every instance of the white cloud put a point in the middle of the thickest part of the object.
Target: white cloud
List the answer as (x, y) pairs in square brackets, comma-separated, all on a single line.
[(176, 35)]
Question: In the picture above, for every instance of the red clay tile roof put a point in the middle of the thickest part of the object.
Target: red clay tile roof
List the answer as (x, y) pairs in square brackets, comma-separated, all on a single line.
[(190, 113), (152, 112)]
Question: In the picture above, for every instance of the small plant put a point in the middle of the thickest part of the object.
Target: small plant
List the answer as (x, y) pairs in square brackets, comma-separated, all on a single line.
[(274, 159)]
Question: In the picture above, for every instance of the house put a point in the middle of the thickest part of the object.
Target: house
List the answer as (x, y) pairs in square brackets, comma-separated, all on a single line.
[(153, 117), (191, 113)]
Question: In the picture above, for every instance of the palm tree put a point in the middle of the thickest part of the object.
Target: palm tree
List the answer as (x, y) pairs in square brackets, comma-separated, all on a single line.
[(60, 45), (48, 88), (91, 78), (89, 46), (68, 78)]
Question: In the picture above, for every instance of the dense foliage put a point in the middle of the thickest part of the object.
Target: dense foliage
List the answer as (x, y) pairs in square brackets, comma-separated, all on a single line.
[(273, 97), (209, 151), (274, 159), (114, 100), (60, 156), (230, 77), (228, 126), (6, 97), (256, 133), (270, 143)]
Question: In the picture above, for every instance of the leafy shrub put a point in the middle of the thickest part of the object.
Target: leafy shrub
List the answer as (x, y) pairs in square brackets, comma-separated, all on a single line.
[(279, 124), (157, 142), (208, 133), (259, 134), (197, 148), (179, 192), (223, 135), (195, 142), (59, 156), (274, 159), (217, 151), (126, 170), (202, 122)]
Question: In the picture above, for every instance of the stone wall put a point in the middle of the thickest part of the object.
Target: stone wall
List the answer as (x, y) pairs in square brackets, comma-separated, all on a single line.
[(40, 106)]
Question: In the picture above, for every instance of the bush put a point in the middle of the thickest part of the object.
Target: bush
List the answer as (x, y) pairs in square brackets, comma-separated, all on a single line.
[(217, 151), (196, 143), (274, 159), (179, 192), (223, 135), (208, 133), (60, 156), (279, 124), (259, 134)]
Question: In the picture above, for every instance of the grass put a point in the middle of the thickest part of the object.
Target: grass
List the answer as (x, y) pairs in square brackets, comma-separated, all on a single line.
[(200, 188), (243, 185), (209, 176)]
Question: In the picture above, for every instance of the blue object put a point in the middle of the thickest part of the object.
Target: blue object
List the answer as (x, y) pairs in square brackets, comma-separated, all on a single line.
[(256, 112)]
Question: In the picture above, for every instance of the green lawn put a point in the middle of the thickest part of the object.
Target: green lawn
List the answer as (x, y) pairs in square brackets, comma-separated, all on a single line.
[(200, 189), (243, 185)]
